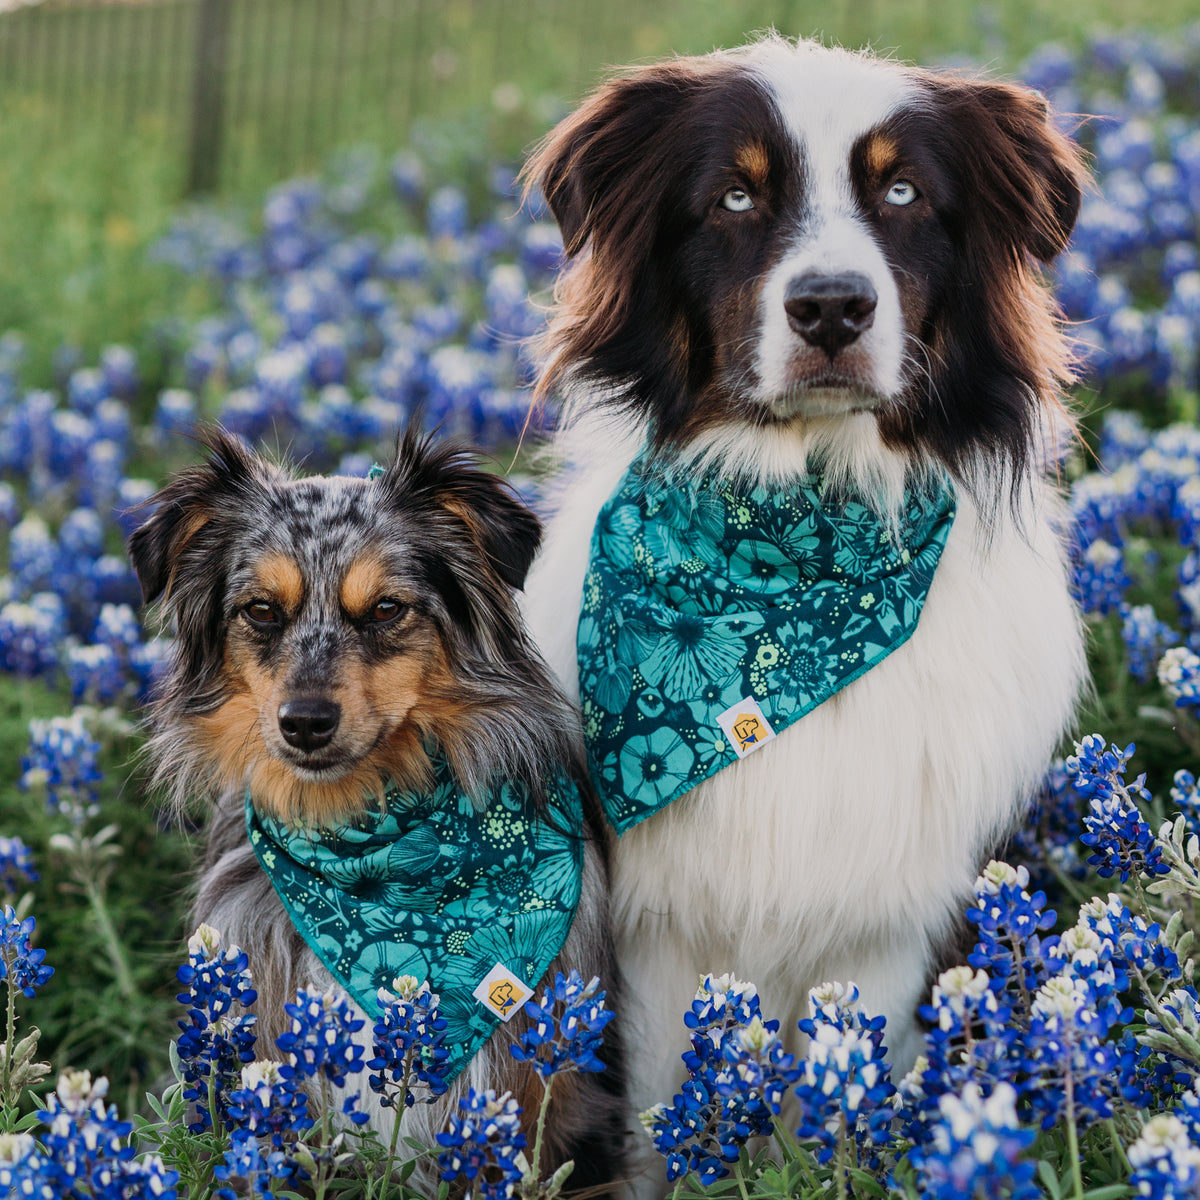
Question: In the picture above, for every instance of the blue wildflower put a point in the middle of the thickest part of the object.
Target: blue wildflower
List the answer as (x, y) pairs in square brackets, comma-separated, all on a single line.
[(64, 759), (21, 966), (248, 1159), (737, 1073), (568, 1027), (216, 1040), (1145, 637), (482, 1144), (25, 1171), (1179, 673), (268, 1103), (1114, 827), (1010, 921), (1099, 579), (85, 1139), (975, 1149), (16, 865), (321, 1041), (1165, 1161), (409, 1044), (844, 1089)]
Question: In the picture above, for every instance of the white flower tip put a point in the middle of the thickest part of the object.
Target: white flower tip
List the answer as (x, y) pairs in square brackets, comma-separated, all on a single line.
[(205, 941)]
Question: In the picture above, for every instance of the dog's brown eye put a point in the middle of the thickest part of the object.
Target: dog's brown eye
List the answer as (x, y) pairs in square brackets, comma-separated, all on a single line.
[(386, 610), (259, 612)]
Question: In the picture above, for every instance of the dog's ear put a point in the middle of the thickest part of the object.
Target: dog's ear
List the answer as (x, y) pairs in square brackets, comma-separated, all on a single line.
[(185, 507), (504, 531), (591, 162), (1026, 175)]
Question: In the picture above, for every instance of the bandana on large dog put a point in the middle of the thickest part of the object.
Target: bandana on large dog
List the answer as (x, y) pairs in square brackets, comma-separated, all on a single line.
[(715, 616), (477, 899)]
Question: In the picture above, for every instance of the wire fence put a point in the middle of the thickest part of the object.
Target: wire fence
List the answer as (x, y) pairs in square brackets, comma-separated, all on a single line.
[(263, 88), (242, 89)]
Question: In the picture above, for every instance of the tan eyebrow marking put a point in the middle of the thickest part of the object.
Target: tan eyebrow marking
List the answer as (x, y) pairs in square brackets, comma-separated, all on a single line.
[(363, 585), (279, 576), (754, 162)]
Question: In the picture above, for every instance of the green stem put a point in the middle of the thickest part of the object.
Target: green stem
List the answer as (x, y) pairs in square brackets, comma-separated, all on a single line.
[(1073, 1138), (841, 1162), (6, 1075), (1116, 1141), (536, 1168), (678, 1187), (112, 943), (399, 1106)]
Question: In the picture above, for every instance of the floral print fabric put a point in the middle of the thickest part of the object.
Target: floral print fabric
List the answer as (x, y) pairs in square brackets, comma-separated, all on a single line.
[(433, 886), (700, 594)]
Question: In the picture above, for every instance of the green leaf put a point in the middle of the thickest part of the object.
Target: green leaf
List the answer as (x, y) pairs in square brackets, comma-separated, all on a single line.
[(867, 1184), (559, 1178), (1049, 1178), (1111, 1192)]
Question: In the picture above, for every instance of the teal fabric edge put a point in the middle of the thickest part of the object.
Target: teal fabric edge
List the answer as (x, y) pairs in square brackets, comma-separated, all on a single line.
[(624, 827)]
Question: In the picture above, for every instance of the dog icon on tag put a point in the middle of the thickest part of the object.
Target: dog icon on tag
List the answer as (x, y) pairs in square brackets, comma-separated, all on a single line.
[(502, 992), (745, 726)]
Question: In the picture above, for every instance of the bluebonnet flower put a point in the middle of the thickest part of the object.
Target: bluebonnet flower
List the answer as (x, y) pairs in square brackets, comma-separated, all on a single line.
[(568, 1029), (25, 1171), (85, 389), (321, 1041), (975, 1149), (844, 1090), (29, 640), (64, 758), (248, 1159), (737, 1072), (482, 1144), (1114, 827), (1145, 637), (1179, 673), (1010, 921), (268, 1103), (1165, 1161), (409, 1044), (1099, 580), (118, 365), (216, 1040), (16, 865), (94, 674), (1137, 946), (1066, 1038), (175, 413), (1186, 794), (21, 966), (85, 1139)]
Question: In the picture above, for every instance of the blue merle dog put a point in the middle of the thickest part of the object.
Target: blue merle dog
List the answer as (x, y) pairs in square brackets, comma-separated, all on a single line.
[(328, 632)]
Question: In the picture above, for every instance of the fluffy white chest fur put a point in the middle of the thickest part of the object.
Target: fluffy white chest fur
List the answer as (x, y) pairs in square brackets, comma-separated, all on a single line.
[(845, 848)]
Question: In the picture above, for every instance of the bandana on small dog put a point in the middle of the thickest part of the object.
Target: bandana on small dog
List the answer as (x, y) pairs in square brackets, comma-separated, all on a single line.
[(715, 616), (477, 899)]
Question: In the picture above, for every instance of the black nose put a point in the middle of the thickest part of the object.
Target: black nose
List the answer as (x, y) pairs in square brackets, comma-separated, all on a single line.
[(830, 311), (309, 724)]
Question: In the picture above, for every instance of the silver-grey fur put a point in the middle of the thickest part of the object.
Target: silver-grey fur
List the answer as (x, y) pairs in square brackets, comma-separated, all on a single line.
[(462, 543)]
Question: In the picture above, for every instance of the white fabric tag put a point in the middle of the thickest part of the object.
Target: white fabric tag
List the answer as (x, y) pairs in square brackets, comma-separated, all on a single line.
[(502, 992), (745, 727)]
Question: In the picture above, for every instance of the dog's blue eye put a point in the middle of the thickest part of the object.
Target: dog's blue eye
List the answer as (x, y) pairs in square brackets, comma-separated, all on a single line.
[(901, 192), (737, 200)]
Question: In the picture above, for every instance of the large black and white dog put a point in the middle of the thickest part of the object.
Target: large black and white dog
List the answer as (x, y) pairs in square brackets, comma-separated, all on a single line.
[(788, 254)]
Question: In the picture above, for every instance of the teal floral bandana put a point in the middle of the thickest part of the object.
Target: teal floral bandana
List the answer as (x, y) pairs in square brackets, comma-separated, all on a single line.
[(435, 887), (713, 617)]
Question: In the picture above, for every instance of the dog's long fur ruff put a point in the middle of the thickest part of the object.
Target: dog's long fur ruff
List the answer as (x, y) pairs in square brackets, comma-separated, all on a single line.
[(698, 198), (283, 588)]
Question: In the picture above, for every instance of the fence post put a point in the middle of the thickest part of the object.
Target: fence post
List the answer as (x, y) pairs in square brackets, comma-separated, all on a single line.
[(208, 95)]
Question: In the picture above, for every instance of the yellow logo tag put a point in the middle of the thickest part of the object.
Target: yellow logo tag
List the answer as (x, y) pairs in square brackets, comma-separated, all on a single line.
[(501, 992), (745, 726)]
